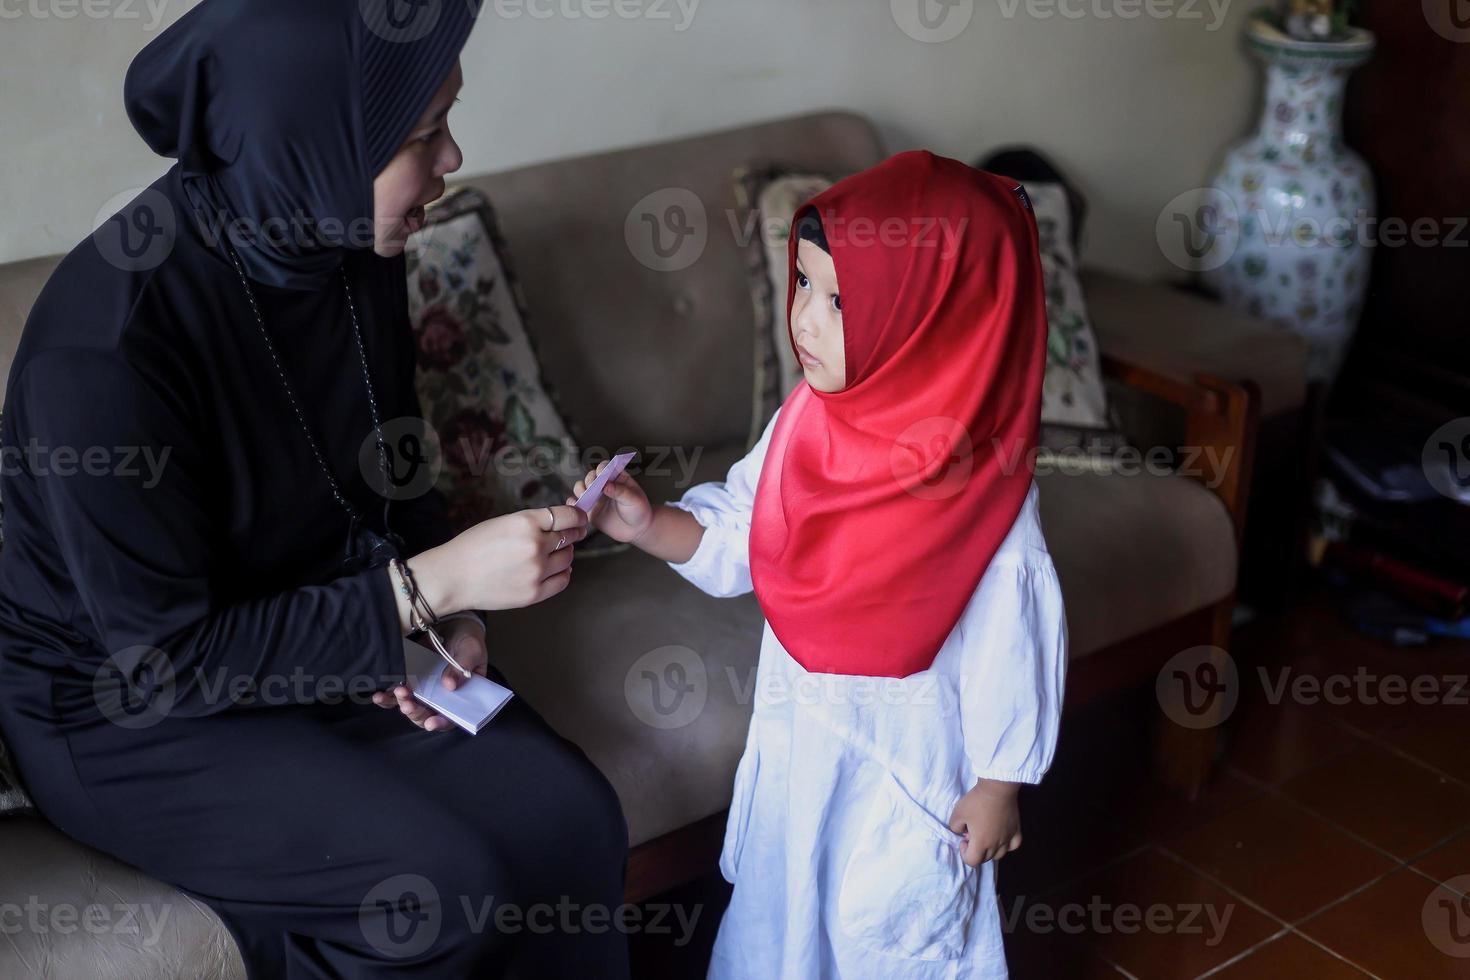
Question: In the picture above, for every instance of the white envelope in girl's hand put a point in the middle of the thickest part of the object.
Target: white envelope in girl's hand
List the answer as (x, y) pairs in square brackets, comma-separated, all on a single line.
[(470, 706), (592, 494)]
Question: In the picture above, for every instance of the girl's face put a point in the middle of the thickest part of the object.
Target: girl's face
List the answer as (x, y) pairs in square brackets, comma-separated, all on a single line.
[(415, 175), (816, 319)]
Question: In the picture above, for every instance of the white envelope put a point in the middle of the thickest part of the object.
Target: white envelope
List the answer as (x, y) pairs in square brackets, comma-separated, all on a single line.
[(470, 706)]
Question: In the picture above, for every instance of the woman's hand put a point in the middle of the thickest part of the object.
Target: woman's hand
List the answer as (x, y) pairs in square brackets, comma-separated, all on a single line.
[(623, 513), (465, 639), (991, 820), (503, 563)]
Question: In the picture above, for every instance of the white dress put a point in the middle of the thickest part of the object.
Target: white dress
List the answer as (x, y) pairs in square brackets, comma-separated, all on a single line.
[(838, 841)]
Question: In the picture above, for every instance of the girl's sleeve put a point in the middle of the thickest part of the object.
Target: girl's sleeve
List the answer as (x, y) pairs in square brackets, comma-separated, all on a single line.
[(721, 563), (1015, 654)]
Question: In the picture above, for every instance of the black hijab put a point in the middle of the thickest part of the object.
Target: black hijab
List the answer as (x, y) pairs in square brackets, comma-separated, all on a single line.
[(281, 113)]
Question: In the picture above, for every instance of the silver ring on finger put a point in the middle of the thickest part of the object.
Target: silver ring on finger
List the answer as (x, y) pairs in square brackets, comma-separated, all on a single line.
[(552, 514), (562, 543)]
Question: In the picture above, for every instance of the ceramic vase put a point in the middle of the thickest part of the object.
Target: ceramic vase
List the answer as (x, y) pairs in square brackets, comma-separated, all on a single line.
[(1293, 204)]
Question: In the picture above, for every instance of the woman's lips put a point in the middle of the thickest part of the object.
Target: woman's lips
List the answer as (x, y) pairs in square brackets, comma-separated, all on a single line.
[(806, 357), (414, 219)]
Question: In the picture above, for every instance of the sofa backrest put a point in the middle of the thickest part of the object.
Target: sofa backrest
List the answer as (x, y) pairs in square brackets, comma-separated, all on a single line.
[(636, 355), (20, 284)]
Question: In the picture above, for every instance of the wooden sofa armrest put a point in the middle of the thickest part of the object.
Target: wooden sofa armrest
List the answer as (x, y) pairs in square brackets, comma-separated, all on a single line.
[(1178, 333), (1220, 418)]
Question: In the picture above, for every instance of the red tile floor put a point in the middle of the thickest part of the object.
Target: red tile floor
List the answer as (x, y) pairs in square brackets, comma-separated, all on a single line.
[(1333, 842)]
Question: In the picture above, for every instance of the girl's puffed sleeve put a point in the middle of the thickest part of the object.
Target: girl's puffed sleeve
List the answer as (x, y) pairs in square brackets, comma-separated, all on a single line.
[(721, 563), (1014, 638)]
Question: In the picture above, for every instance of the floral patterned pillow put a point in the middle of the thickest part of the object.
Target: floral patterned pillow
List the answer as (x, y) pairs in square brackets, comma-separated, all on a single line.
[(769, 197), (505, 445), (1073, 392)]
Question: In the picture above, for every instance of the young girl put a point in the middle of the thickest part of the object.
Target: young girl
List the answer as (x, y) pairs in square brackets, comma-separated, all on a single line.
[(911, 671)]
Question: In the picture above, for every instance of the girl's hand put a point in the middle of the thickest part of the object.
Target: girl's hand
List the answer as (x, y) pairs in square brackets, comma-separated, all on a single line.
[(466, 640), (991, 820), (627, 516)]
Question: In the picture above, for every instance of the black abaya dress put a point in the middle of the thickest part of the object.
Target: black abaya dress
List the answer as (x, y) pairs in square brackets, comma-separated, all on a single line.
[(177, 633)]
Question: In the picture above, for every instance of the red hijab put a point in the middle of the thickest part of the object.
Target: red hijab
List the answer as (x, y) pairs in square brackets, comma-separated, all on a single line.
[(880, 505)]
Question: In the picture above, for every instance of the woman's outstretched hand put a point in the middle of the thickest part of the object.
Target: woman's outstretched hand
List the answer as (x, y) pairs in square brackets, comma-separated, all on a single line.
[(519, 559), (503, 563), (623, 513), (465, 639)]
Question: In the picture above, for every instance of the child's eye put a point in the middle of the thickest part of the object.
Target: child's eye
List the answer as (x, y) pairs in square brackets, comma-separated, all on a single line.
[(836, 303), (802, 282), (429, 137)]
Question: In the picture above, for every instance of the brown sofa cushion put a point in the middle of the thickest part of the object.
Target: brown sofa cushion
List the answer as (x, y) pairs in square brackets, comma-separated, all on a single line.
[(138, 927), (1134, 551)]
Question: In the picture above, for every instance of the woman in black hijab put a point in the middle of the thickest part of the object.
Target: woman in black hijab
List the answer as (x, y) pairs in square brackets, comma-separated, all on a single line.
[(187, 647)]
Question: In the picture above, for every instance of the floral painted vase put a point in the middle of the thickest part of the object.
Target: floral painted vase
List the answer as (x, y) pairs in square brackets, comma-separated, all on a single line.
[(1294, 206)]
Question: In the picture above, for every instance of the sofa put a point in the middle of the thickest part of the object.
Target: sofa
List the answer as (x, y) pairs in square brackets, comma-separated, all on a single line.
[(638, 357)]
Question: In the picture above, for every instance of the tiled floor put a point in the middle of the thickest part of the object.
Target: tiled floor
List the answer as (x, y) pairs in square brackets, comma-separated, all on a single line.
[(1334, 841)]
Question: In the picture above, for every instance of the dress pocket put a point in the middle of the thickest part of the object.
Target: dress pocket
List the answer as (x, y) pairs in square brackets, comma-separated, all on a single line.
[(738, 822), (906, 891)]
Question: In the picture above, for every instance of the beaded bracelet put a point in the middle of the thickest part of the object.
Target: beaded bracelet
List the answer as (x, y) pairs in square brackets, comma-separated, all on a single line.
[(417, 622)]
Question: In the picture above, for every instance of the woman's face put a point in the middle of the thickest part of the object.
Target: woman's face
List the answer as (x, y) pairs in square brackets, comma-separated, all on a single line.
[(415, 175), (816, 319)]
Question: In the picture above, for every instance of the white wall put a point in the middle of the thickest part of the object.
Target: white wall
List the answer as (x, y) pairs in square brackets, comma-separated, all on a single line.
[(1136, 107)]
